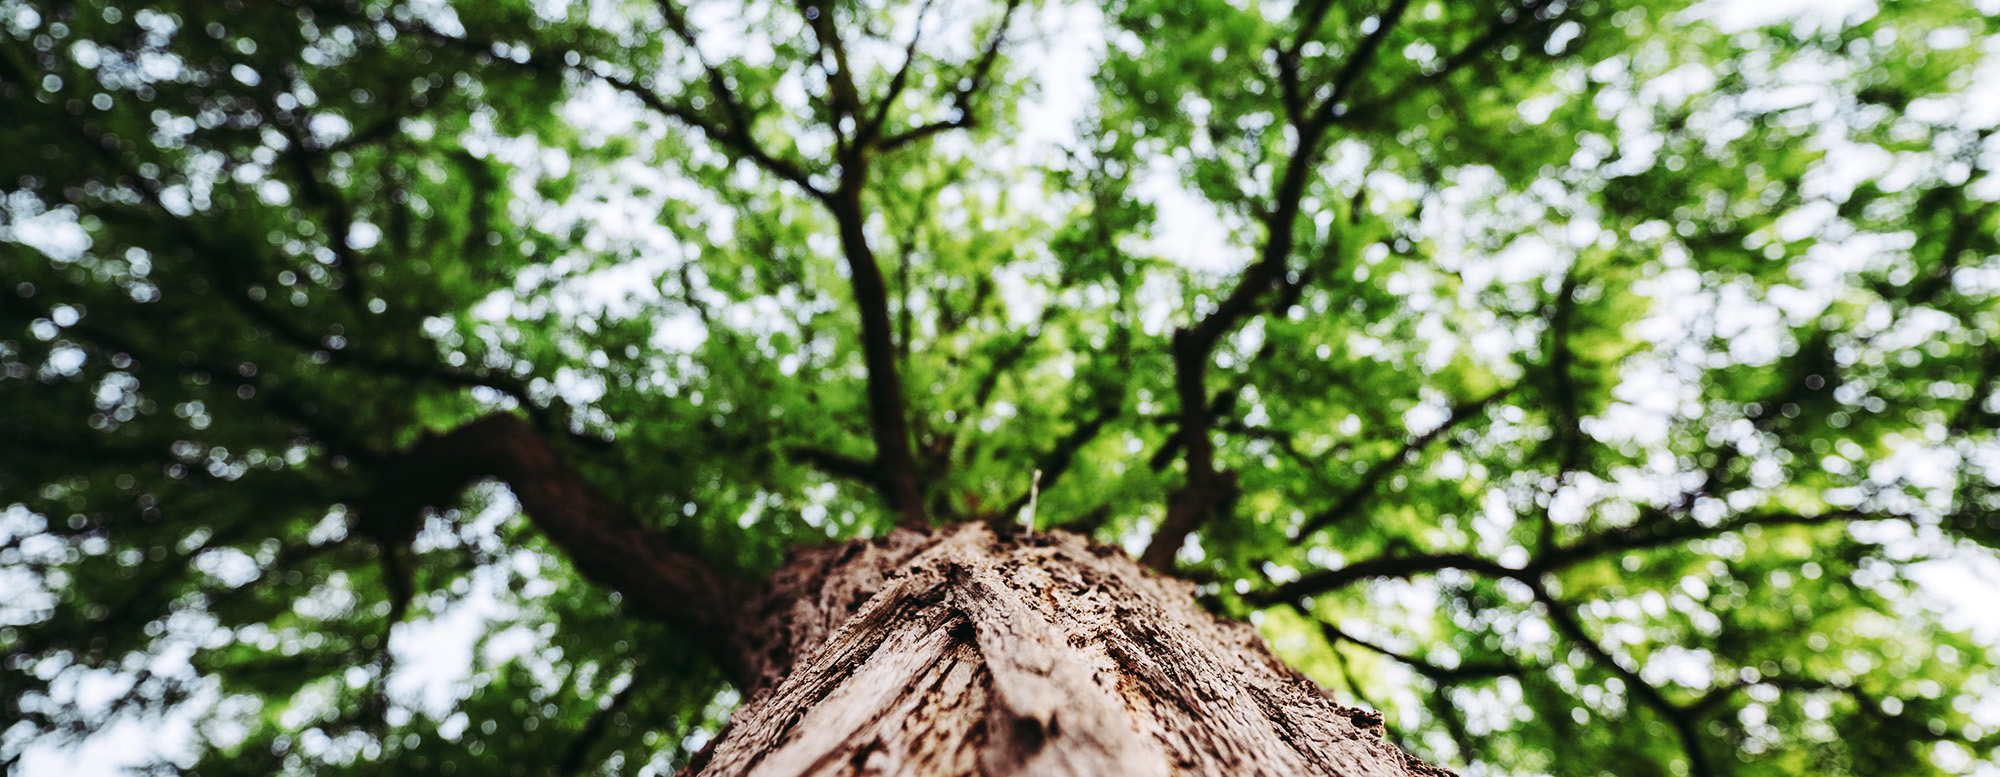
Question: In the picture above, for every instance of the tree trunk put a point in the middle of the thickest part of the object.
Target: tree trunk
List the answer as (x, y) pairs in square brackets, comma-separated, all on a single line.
[(963, 652)]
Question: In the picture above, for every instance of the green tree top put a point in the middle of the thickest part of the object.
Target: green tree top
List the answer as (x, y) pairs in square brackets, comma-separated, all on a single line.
[(1582, 383)]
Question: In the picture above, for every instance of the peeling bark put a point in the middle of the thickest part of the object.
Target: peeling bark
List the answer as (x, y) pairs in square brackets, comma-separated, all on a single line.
[(963, 652)]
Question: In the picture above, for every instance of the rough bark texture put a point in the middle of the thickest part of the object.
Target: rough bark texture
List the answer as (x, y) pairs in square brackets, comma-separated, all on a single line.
[(964, 652)]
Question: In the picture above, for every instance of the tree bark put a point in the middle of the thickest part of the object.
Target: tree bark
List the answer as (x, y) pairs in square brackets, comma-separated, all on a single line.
[(957, 651), (962, 652)]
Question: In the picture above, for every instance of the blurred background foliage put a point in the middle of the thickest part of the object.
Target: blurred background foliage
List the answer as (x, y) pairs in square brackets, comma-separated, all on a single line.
[(1630, 366)]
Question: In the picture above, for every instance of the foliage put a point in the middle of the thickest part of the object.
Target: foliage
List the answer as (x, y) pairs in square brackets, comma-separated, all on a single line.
[(1584, 383)]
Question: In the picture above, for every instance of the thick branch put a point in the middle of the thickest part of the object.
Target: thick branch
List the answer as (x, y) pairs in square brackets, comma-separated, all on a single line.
[(603, 541), (895, 459), (1206, 489), (888, 414)]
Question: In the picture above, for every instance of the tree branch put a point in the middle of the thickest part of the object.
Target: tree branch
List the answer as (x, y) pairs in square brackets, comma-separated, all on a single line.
[(1351, 502), (1639, 536), (718, 83), (840, 465), (1439, 674), (961, 100), (897, 82), (846, 97), (888, 412), (1357, 64), (1503, 27), (1657, 530), (1568, 437), (1310, 15), (1682, 719), (736, 137), (1207, 489), (603, 541), (1390, 567)]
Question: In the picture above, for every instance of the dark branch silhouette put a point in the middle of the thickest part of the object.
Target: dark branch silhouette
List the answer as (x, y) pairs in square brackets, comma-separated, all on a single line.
[(1207, 490), (604, 542)]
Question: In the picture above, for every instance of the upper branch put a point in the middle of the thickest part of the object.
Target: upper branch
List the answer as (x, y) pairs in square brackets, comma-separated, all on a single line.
[(717, 82), (1497, 32), (733, 132), (1310, 15), (846, 97), (899, 81), (961, 100), (734, 136), (1207, 490), (1390, 567), (1350, 71), (1657, 532), (1661, 531)]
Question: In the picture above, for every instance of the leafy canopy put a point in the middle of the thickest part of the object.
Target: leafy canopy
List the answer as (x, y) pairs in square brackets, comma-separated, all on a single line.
[(1584, 383)]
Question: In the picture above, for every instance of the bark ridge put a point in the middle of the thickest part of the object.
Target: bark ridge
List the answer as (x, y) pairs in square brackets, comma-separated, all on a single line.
[(966, 652)]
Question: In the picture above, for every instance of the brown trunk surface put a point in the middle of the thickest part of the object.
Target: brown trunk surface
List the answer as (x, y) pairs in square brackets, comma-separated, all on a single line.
[(963, 652)]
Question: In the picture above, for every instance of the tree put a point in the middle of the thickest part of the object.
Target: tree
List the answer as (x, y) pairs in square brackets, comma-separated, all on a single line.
[(1584, 385)]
